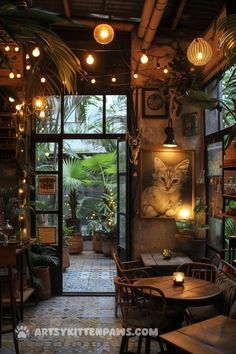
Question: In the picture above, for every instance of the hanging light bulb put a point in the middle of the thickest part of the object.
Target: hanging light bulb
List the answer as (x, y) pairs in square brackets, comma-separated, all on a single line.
[(43, 79), (36, 52), (93, 81), (158, 65), (27, 56), (199, 52), (90, 59), (103, 33), (113, 79), (18, 75), (135, 76), (7, 48), (144, 58), (42, 114), (16, 49), (28, 67), (11, 99)]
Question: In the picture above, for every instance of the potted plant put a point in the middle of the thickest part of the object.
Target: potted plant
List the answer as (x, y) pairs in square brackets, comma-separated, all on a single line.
[(43, 258), (67, 231)]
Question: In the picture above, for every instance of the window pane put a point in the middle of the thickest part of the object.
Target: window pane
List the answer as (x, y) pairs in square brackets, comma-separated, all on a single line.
[(83, 114), (116, 114), (122, 194), (122, 156), (214, 155), (46, 158), (50, 123), (228, 96), (215, 233), (211, 117)]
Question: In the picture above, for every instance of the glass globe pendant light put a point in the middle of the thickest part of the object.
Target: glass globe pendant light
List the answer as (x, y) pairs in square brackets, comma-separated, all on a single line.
[(103, 33)]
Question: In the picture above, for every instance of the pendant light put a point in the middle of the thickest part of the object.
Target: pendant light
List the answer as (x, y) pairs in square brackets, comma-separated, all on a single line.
[(103, 33), (199, 52), (170, 135)]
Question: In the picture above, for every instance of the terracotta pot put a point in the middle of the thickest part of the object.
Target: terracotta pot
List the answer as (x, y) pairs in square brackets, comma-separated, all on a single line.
[(43, 291), (97, 241), (76, 244), (65, 258)]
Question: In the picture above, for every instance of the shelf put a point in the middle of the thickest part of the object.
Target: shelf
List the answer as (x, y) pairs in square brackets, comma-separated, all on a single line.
[(229, 216), (26, 294), (229, 196)]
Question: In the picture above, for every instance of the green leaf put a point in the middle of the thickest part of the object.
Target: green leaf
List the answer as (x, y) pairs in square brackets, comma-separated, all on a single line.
[(199, 99)]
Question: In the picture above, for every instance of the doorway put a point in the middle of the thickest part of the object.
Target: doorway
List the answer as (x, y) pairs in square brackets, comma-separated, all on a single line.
[(76, 153)]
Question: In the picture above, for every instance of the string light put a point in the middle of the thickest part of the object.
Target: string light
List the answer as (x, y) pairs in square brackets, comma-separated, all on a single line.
[(135, 76), (43, 79), (7, 48), (11, 99), (11, 75), (16, 49), (165, 70), (28, 67), (39, 103), (158, 65), (144, 58), (36, 52), (18, 75), (42, 114), (93, 81), (27, 56), (113, 79), (90, 59)]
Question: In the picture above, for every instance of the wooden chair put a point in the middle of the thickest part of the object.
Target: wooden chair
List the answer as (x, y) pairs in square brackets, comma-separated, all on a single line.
[(215, 260), (198, 270), (130, 270), (141, 307)]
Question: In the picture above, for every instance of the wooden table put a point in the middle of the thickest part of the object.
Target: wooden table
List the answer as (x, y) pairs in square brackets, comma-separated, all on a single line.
[(216, 335), (194, 292), (157, 260), (11, 256)]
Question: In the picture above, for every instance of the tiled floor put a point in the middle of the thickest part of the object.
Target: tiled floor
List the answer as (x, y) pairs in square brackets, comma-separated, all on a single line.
[(89, 272), (70, 313)]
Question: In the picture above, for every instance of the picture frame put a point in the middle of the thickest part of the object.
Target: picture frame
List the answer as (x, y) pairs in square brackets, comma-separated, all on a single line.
[(46, 184), (154, 104), (167, 185)]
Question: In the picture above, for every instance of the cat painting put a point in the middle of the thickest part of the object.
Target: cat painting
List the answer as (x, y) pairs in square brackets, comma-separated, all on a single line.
[(164, 195)]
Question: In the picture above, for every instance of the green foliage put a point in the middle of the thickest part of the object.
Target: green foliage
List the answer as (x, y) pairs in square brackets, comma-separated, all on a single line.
[(41, 255)]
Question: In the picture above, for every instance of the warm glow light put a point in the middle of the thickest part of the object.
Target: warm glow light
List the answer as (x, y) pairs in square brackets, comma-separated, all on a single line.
[(90, 59), (199, 52), (21, 190), (11, 99), (42, 114), (47, 154), (113, 79), (39, 103), (18, 75), (7, 48), (28, 67), (184, 213), (103, 33), (144, 58), (36, 52), (178, 278), (27, 56), (43, 79), (93, 81), (165, 70), (16, 49), (18, 107), (135, 76), (11, 75)]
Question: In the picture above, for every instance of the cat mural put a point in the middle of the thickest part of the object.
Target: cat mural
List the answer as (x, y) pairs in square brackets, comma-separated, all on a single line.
[(163, 197)]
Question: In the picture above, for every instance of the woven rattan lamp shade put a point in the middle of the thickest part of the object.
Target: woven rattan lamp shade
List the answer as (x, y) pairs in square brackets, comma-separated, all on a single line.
[(199, 52), (103, 33)]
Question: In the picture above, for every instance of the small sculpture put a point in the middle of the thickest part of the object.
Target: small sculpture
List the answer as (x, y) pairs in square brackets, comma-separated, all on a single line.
[(135, 144)]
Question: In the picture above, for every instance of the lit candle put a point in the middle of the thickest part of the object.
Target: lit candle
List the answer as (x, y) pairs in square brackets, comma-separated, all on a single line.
[(178, 278)]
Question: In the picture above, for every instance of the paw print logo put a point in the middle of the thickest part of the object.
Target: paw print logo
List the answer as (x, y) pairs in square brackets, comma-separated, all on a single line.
[(21, 332)]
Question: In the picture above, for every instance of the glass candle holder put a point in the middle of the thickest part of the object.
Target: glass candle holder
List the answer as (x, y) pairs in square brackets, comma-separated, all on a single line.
[(178, 278)]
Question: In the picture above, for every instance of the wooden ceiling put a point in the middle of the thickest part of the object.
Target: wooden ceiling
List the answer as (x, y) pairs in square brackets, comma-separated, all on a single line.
[(182, 18)]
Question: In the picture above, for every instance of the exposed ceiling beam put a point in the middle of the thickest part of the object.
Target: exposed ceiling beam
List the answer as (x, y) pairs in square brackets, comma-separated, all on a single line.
[(67, 8), (179, 14)]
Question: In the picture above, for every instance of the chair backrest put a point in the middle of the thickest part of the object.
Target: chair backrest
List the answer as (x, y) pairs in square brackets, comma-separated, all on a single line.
[(215, 260), (227, 283), (205, 271), (227, 268), (119, 267), (140, 303)]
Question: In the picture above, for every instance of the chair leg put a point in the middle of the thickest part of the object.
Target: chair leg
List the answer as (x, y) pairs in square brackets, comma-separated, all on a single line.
[(124, 344), (147, 345), (13, 308)]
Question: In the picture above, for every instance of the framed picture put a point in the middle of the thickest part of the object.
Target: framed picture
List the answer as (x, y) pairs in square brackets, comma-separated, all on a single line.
[(154, 103), (167, 183), (47, 184)]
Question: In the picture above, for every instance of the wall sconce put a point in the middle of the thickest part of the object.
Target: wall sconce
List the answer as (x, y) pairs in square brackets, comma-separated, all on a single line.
[(199, 52), (103, 33), (170, 135)]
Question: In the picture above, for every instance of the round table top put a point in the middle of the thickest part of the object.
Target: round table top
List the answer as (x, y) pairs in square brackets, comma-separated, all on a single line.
[(193, 291)]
